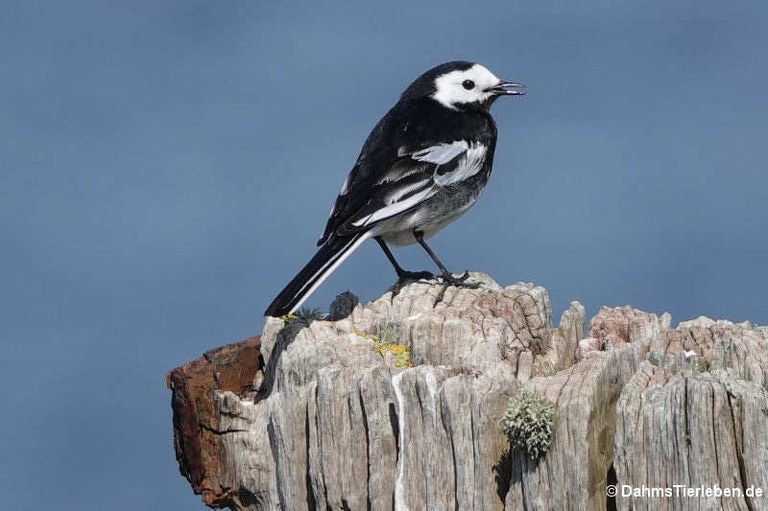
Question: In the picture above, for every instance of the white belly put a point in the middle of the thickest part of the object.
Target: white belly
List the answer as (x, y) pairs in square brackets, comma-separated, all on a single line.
[(399, 231)]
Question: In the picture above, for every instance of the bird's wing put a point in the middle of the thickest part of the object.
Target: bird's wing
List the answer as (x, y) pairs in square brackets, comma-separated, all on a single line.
[(415, 176), (393, 174)]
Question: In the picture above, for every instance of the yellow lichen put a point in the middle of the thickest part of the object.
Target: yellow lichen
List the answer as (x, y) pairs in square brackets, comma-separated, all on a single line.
[(365, 335), (400, 353)]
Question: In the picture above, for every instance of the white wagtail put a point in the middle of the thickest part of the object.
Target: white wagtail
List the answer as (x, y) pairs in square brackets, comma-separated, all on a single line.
[(422, 166)]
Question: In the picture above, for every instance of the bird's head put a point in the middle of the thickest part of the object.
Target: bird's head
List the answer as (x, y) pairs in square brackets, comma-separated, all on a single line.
[(460, 84)]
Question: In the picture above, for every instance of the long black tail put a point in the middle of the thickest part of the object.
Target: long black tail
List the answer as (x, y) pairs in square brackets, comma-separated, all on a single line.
[(327, 259)]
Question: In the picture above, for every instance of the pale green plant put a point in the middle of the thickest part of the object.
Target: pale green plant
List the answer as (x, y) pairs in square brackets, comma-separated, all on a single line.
[(528, 422)]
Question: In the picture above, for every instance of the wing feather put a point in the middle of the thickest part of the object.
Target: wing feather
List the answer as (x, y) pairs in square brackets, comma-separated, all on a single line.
[(441, 154)]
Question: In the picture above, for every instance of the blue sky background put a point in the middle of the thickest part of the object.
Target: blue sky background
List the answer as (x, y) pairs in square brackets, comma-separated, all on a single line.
[(166, 167)]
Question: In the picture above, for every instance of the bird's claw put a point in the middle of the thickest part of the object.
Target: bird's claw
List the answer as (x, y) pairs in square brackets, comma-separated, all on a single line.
[(459, 281), (405, 276)]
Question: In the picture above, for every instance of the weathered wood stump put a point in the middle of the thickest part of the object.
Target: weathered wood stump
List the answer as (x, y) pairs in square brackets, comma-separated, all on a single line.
[(398, 404)]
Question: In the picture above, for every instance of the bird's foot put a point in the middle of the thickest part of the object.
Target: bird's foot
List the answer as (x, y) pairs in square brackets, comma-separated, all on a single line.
[(460, 281), (405, 276)]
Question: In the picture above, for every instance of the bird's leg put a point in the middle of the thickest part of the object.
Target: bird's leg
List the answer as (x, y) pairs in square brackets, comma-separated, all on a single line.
[(402, 275), (446, 275)]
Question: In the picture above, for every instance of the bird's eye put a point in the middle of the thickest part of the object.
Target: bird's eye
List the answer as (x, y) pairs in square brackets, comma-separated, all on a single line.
[(468, 84)]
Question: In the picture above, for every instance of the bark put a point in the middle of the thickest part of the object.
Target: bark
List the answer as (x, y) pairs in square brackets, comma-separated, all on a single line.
[(334, 414)]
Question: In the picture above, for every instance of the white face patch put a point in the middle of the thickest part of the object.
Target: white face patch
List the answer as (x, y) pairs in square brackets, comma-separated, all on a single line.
[(451, 90)]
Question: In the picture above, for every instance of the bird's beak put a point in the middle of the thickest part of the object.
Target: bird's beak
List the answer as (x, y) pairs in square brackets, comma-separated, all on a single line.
[(507, 89)]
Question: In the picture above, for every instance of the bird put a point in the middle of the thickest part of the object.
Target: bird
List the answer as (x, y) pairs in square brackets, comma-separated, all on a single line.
[(421, 167)]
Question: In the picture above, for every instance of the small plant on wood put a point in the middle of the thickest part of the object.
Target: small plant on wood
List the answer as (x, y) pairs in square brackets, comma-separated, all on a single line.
[(528, 423), (389, 332)]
